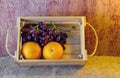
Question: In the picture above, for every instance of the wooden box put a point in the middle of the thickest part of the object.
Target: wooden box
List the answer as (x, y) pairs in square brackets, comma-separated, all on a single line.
[(74, 54)]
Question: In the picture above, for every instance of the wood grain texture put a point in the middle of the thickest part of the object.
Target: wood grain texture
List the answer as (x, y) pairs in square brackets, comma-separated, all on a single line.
[(104, 15)]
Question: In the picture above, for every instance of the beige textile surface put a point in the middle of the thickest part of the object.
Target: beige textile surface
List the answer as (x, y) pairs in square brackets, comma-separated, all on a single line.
[(95, 67)]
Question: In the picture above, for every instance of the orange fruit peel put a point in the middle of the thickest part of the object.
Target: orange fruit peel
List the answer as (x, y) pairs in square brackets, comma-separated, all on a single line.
[(31, 50), (53, 50)]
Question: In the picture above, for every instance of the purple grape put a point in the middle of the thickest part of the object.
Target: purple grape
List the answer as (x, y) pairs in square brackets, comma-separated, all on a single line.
[(47, 36), (42, 44), (63, 37), (65, 34), (29, 25), (44, 34), (24, 30), (42, 38), (35, 38), (48, 29), (54, 32), (26, 27), (33, 34), (58, 38), (29, 37), (31, 31), (49, 40), (23, 34), (44, 28), (39, 36), (51, 37), (37, 32), (40, 41), (50, 32), (40, 23), (40, 33), (24, 40)]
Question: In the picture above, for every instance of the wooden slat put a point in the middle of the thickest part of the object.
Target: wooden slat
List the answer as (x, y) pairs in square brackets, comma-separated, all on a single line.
[(51, 62), (54, 19), (73, 41), (72, 49), (71, 56)]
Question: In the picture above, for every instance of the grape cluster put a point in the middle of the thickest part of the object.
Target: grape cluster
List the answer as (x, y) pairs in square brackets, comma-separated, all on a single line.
[(42, 34)]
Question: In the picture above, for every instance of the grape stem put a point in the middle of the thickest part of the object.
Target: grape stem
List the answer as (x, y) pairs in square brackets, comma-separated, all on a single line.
[(55, 27), (36, 27)]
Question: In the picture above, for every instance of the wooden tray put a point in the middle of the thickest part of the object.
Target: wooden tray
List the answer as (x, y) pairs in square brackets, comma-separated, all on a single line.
[(74, 54)]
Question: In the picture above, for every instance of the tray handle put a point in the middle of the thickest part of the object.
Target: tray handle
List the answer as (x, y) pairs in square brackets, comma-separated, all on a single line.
[(96, 43), (6, 46)]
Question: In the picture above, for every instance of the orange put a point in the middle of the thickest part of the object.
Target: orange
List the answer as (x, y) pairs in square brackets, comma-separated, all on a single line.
[(53, 50), (31, 50)]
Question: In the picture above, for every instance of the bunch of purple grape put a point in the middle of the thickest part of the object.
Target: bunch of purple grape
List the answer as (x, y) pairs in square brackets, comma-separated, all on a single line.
[(42, 34)]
